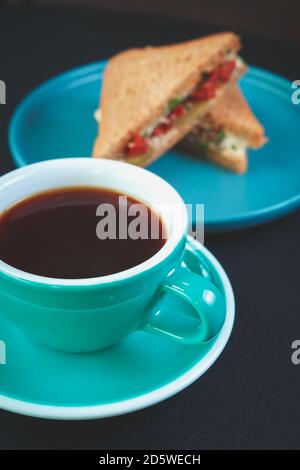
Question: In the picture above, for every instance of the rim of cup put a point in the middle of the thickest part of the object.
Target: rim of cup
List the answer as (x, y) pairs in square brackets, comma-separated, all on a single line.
[(139, 183)]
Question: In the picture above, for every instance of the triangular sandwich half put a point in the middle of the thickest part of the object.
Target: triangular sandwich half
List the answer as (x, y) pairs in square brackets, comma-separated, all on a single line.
[(152, 97), (226, 131)]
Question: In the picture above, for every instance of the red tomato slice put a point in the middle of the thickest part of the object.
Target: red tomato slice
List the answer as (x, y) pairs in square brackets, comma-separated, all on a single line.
[(206, 91), (225, 70), (177, 112), (161, 129), (214, 76), (137, 146)]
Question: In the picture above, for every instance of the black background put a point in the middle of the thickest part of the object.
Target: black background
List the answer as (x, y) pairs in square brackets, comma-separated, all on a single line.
[(250, 397)]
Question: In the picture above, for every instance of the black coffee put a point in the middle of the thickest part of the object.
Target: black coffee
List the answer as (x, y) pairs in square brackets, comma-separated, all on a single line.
[(54, 233)]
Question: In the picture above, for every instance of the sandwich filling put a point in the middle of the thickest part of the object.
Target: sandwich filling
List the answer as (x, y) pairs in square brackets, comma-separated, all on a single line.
[(180, 110), (217, 139)]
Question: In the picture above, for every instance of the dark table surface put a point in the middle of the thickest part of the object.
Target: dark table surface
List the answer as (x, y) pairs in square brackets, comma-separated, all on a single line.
[(250, 397)]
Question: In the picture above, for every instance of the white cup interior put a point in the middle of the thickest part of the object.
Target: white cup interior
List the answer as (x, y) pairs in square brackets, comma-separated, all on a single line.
[(127, 179)]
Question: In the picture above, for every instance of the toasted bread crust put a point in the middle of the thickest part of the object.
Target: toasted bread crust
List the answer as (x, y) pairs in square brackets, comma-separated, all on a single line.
[(147, 79), (233, 114)]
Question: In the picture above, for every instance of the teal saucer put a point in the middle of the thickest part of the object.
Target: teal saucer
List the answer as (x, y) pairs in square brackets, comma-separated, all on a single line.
[(140, 371)]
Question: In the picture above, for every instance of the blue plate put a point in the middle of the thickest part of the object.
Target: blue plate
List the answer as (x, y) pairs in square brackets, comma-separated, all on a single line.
[(56, 120)]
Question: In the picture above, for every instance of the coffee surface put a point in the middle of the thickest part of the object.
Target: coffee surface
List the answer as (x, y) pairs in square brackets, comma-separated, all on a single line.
[(56, 233)]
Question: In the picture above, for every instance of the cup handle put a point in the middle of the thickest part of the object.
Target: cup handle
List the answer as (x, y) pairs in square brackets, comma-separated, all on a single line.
[(208, 308)]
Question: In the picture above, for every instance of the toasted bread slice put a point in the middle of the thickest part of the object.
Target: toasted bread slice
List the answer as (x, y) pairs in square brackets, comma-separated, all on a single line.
[(233, 114), (138, 85)]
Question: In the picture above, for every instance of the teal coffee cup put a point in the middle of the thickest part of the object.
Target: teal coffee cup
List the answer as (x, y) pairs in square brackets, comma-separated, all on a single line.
[(83, 315)]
